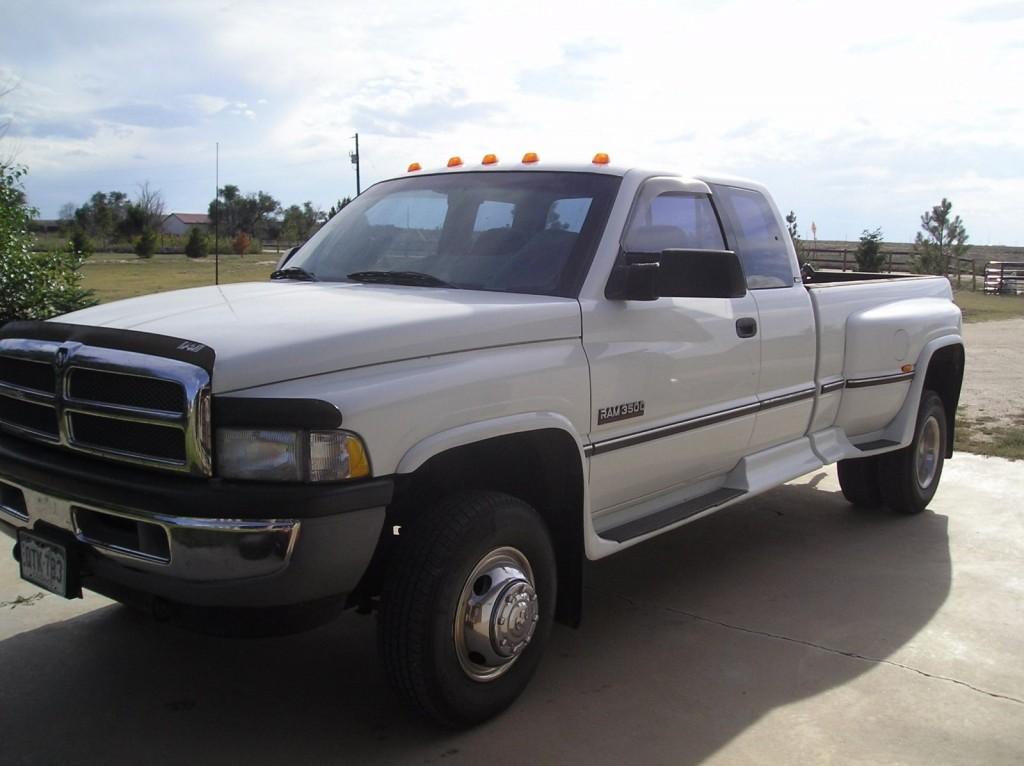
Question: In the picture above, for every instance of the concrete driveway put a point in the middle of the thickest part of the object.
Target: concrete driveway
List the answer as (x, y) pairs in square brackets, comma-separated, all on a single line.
[(789, 629)]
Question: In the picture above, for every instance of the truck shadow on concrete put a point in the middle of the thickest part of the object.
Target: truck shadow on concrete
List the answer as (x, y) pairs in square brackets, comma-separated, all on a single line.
[(687, 640)]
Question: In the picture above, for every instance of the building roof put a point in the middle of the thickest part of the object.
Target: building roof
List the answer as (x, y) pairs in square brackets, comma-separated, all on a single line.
[(190, 218)]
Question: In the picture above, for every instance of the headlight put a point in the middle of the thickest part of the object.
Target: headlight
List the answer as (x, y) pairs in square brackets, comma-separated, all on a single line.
[(275, 455)]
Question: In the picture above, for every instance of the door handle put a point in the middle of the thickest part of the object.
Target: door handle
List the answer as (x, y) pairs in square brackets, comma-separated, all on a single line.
[(746, 327)]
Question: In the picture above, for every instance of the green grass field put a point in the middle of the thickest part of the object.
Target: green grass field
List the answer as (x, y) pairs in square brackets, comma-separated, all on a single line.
[(113, 276), (979, 307)]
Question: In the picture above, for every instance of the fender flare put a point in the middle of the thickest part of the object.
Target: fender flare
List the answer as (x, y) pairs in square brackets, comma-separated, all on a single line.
[(470, 433), (901, 429)]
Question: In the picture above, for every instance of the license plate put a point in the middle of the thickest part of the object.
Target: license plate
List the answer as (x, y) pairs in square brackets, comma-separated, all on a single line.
[(45, 563)]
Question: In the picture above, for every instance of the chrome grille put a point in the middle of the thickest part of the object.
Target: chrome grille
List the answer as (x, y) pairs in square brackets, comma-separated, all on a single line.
[(121, 405)]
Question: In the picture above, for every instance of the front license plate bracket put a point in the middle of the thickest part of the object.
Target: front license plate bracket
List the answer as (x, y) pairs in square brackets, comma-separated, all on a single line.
[(49, 561)]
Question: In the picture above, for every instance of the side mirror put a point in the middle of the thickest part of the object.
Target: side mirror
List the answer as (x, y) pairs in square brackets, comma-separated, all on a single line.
[(636, 279), (701, 274), (677, 273)]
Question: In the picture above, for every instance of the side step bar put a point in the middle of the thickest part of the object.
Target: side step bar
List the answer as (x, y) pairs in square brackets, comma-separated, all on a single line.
[(878, 444), (669, 516)]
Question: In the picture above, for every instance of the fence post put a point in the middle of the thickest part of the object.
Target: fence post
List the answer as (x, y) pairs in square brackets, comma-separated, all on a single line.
[(974, 280), (890, 262), (956, 270), (844, 259)]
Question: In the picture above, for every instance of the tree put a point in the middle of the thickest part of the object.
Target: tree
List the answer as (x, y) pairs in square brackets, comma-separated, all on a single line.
[(300, 222), (337, 208), (196, 245), (942, 239), (869, 251), (794, 234), (235, 212), (32, 285), (145, 245), (104, 215)]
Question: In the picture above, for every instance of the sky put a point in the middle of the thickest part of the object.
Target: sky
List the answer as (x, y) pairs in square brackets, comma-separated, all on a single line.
[(855, 115)]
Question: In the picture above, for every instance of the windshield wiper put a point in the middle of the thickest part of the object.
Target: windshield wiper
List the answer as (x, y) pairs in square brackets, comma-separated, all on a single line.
[(413, 278), (294, 272)]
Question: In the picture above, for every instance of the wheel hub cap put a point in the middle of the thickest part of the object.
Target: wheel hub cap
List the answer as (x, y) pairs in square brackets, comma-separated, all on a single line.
[(497, 615), (928, 448)]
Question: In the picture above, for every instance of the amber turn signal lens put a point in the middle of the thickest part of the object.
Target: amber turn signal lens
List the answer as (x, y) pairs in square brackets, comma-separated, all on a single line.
[(490, 159), (530, 157), (413, 167), (600, 159), (907, 368), (454, 162)]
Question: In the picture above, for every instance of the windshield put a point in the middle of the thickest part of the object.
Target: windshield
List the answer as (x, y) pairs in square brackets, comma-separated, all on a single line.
[(515, 231)]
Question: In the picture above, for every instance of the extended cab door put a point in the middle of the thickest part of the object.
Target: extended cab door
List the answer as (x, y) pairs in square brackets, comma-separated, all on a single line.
[(674, 380), (786, 385)]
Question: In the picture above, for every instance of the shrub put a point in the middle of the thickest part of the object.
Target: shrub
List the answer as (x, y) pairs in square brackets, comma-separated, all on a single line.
[(241, 243), (32, 285), (196, 245), (145, 245), (944, 238), (869, 251), (80, 243)]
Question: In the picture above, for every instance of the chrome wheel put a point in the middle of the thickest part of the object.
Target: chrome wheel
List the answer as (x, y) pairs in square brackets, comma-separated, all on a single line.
[(497, 614), (929, 448)]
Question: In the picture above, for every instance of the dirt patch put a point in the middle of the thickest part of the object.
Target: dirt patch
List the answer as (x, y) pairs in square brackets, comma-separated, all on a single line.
[(993, 390)]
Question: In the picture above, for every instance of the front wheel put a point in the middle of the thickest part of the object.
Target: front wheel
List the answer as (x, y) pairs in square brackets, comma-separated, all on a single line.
[(908, 478), (467, 606)]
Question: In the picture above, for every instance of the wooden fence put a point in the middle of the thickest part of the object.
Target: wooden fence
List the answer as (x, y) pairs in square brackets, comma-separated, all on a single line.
[(844, 259)]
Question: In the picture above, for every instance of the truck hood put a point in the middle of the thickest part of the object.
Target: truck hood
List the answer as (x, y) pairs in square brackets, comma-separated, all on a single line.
[(266, 332)]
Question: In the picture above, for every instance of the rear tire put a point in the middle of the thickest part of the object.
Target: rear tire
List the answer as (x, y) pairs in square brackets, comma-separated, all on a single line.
[(909, 477), (858, 478), (467, 606)]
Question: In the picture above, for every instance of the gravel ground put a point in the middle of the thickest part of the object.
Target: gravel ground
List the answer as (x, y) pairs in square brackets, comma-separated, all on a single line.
[(995, 370)]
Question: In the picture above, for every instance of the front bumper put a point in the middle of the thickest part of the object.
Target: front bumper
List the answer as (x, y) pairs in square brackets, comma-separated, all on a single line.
[(194, 542)]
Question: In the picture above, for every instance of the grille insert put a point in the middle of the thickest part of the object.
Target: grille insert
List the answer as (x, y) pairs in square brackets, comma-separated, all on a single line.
[(162, 442), (126, 390), (35, 417), (25, 373)]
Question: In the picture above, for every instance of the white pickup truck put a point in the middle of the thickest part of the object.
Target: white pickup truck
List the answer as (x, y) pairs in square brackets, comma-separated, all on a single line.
[(466, 383)]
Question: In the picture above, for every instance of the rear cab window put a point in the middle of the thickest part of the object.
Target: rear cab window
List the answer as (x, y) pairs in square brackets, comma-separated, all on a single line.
[(759, 241)]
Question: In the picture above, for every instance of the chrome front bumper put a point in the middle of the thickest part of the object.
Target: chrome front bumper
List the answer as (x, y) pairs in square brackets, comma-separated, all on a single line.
[(180, 547)]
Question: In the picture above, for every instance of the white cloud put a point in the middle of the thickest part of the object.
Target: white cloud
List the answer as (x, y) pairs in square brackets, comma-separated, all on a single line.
[(857, 115)]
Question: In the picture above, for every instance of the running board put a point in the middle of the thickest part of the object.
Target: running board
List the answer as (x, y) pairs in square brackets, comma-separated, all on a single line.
[(670, 516), (878, 444)]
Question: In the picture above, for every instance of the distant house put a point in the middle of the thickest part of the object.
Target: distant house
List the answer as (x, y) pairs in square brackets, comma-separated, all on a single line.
[(183, 223)]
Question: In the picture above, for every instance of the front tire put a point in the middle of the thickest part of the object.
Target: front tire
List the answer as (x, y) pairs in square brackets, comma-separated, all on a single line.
[(909, 477), (467, 606)]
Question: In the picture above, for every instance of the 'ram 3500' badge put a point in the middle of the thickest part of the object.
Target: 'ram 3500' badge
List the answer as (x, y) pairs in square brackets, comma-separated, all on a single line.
[(620, 412)]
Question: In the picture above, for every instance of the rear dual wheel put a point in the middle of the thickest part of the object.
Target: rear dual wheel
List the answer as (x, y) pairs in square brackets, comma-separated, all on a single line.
[(905, 480)]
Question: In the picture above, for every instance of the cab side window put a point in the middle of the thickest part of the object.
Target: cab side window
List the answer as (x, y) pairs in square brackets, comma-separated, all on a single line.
[(673, 220), (760, 242)]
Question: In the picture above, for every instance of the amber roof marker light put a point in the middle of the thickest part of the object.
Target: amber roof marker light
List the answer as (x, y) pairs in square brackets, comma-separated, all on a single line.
[(530, 157), (489, 159), (600, 159), (413, 167), (454, 162)]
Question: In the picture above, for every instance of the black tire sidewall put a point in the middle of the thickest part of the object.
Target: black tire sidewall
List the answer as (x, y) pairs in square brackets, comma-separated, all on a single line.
[(931, 405), (440, 549)]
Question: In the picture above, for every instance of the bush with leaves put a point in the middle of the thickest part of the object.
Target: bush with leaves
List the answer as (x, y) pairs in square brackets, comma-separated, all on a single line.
[(241, 243), (869, 251), (943, 239), (196, 245), (33, 285), (81, 243), (145, 245)]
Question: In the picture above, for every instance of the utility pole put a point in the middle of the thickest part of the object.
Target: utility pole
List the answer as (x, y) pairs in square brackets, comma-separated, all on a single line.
[(216, 222), (354, 156)]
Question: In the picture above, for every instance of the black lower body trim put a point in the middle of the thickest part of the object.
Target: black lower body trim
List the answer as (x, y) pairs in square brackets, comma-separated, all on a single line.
[(669, 516)]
